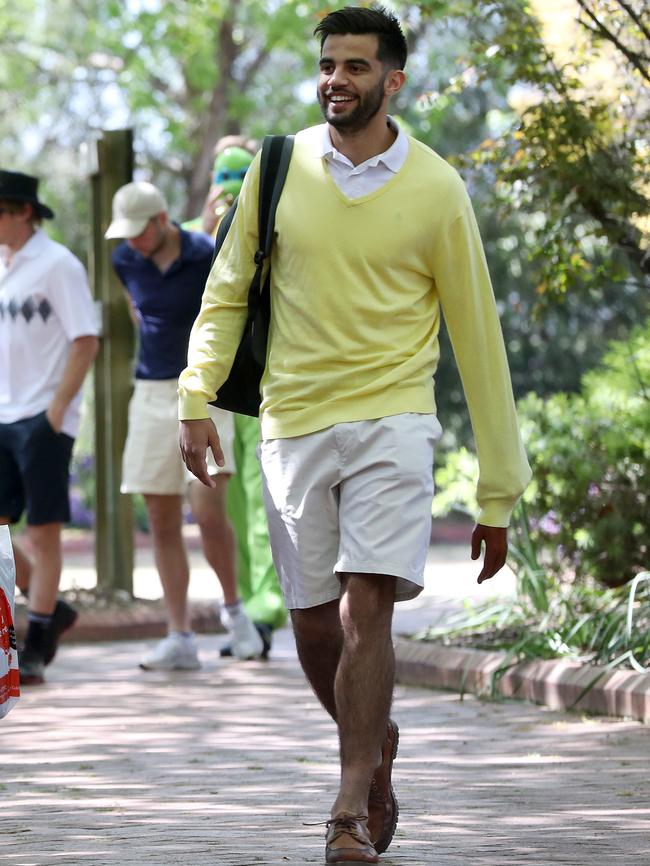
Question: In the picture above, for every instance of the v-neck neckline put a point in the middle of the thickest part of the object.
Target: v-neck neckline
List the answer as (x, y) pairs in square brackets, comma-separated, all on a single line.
[(385, 187)]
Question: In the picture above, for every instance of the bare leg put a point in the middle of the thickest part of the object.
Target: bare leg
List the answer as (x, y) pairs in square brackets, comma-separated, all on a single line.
[(217, 536), (24, 567), (363, 688), (45, 541), (319, 641), (346, 651), (165, 518)]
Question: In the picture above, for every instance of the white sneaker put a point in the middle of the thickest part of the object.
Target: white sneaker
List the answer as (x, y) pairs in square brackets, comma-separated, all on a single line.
[(176, 652), (245, 639)]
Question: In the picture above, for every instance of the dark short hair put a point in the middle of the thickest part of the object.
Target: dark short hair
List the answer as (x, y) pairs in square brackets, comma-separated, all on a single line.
[(13, 207), (375, 20)]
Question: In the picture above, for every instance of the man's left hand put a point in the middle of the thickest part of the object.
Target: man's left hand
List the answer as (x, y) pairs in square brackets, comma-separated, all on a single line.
[(495, 539)]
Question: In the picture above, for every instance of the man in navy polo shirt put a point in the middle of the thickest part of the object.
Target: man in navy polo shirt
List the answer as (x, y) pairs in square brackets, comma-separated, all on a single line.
[(164, 269)]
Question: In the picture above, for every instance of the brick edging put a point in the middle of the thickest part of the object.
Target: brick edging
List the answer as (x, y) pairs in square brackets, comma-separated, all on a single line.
[(133, 622), (556, 684)]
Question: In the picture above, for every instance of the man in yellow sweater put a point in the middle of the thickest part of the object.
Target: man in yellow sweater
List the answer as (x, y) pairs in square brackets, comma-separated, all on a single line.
[(375, 234)]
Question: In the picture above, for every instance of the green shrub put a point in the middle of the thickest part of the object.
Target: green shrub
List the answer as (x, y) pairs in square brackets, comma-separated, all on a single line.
[(589, 501)]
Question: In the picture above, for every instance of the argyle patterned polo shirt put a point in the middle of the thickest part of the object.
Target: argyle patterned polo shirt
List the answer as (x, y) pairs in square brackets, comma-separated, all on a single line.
[(45, 304)]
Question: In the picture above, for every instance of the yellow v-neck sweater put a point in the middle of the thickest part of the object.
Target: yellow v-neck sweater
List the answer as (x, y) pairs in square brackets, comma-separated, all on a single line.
[(356, 292)]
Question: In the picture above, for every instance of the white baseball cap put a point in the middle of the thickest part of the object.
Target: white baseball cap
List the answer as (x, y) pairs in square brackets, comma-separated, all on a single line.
[(133, 206)]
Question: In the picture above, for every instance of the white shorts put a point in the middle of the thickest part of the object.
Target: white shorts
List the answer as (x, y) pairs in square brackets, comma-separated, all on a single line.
[(353, 498), (152, 461)]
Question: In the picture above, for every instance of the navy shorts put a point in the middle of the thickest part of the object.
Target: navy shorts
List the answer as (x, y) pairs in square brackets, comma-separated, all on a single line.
[(34, 471)]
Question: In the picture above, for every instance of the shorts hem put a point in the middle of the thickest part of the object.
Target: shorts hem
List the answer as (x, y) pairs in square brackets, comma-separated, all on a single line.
[(137, 489), (391, 569), (408, 594), (45, 520), (409, 585), (303, 603)]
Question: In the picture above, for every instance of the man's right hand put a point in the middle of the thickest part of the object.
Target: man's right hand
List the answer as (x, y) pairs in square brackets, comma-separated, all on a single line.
[(216, 204), (195, 439)]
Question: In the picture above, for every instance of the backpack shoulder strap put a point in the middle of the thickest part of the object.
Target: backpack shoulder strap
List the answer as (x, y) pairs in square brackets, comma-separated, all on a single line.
[(274, 165), (222, 228)]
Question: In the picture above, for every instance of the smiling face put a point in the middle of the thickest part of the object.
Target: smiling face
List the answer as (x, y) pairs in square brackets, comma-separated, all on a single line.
[(354, 86)]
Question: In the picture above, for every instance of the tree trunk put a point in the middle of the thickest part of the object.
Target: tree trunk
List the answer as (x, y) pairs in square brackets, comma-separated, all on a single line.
[(217, 123)]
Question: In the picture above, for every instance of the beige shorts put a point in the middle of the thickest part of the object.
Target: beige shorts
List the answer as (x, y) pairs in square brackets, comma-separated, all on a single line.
[(152, 461), (353, 498)]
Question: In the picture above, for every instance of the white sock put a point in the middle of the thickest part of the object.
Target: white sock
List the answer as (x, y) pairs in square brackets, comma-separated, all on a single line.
[(234, 609)]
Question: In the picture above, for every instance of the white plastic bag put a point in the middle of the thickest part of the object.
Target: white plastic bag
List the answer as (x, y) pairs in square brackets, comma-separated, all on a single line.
[(9, 677)]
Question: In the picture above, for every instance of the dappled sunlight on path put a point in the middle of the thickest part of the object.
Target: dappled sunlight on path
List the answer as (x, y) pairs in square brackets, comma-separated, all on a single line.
[(107, 764)]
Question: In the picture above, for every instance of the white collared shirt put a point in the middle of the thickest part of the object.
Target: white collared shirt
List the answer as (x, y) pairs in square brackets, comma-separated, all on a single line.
[(45, 304), (355, 181)]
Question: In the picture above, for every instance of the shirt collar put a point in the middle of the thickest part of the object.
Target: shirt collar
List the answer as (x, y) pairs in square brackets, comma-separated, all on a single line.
[(32, 248), (393, 158)]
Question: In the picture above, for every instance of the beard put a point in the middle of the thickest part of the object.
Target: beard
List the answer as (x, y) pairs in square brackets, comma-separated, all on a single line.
[(360, 116)]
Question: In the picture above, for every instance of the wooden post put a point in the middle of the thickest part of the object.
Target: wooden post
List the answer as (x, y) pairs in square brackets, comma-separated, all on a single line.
[(111, 166)]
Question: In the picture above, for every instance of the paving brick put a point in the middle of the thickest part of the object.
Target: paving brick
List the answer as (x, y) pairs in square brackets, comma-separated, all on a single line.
[(108, 765)]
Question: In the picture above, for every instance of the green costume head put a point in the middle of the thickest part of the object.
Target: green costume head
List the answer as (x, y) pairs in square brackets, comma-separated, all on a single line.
[(230, 167)]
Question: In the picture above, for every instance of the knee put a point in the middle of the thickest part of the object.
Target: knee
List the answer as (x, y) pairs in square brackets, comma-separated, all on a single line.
[(317, 626), (165, 523), (367, 605), (212, 521)]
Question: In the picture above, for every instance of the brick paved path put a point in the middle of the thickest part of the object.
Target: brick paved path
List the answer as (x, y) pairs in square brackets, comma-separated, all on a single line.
[(109, 765)]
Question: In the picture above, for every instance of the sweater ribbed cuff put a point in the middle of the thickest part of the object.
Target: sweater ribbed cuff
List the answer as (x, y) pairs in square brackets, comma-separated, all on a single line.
[(192, 407), (496, 512)]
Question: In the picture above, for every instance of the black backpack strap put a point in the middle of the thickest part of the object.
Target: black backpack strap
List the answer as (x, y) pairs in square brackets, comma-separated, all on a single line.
[(224, 225), (274, 165)]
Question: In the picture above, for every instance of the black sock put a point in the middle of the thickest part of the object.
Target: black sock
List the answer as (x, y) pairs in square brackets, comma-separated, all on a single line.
[(38, 626)]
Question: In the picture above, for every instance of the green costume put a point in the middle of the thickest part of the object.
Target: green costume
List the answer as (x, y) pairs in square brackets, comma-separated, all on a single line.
[(230, 168), (257, 580)]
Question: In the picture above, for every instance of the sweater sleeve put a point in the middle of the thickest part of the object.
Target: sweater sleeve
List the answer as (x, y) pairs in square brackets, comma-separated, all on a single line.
[(468, 304), (219, 326)]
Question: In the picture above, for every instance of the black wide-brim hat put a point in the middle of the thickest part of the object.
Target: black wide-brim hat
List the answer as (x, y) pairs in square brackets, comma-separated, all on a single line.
[(16, 186)]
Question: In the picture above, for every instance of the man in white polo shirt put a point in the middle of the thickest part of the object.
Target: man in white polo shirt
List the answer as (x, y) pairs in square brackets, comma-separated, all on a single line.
[(48, 341)]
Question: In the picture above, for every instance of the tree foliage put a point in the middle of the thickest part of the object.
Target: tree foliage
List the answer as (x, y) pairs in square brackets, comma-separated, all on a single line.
[(560, 179), (576, 162), (182, 74)]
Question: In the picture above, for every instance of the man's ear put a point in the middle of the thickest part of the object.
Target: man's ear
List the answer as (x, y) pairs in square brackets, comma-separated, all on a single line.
[(394, 82), (26, 212)]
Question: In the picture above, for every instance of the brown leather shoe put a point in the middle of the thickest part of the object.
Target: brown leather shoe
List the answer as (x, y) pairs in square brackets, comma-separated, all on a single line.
[(354, 845), (383, 810)]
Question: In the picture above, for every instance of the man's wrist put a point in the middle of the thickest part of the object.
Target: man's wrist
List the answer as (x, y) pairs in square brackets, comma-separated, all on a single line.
[(55, 413)]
